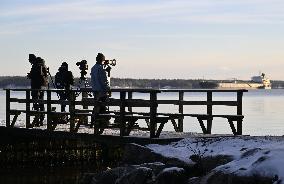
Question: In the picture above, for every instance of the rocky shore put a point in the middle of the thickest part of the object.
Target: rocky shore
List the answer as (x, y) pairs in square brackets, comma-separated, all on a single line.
[(220, 160)]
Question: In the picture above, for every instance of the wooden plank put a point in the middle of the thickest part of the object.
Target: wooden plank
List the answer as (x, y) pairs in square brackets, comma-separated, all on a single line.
[(72, 111), (209, 112), (122, 113), (143, 90), (130, 97), (233, 117), (160, 129), (28, 109), (169, 102), (225, 103), (48, 110), (180, 110), (153, 114), (174, 124), (240, 112), (193, 103), (8, 106), (116, 102), (201, 123), (14, 120), (184, 102), (203, 90), (232, 127)]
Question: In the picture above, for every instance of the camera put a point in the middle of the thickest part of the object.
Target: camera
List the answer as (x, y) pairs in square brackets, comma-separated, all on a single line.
[(107, 66), (111, 62), (83, 67)]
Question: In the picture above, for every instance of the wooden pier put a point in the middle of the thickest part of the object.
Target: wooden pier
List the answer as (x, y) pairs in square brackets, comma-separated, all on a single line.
[(47, 145), (124, 117)]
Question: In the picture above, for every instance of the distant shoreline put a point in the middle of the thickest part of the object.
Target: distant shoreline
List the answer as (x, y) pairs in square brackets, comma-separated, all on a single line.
[(24, 82)]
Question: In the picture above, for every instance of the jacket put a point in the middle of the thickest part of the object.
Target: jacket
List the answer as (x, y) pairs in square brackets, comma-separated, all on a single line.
[(99, 78)]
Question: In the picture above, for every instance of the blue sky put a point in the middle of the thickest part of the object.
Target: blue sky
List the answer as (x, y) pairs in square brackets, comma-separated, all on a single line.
[(212, 39)]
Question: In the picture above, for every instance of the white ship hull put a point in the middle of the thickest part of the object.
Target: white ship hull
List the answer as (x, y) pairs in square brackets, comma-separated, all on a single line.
[(242, 86)]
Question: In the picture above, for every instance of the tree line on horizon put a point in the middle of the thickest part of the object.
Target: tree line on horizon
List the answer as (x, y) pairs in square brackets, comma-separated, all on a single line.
[(24, 82)]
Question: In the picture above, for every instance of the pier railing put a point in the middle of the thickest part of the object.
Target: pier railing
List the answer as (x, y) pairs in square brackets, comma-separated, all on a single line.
[(125, 118)]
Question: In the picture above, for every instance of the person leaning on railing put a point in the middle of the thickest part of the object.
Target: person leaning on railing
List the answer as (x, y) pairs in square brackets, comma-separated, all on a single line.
[(100, 85), (39, 81), (63, 80)]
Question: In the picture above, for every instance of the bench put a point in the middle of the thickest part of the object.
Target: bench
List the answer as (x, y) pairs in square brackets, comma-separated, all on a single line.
[(201, 118)]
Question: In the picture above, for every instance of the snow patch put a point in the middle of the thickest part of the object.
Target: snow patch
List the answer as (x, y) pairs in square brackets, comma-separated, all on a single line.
[(252, 155)]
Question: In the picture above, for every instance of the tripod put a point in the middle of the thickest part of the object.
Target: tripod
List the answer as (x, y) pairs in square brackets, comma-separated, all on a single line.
[(83, 83)]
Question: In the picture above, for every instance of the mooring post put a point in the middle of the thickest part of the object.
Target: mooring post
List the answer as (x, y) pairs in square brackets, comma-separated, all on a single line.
[(122, 113), (48, 109), (209, 112), (8, 106), (180, 110), (28, 108), (240, 112), (153, 113)]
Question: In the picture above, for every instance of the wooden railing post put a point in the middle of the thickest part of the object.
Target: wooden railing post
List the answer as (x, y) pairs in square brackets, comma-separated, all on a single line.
[(28, 108), (153, 113), (122, 113), (84, 95), (209, 111), (239, 112), (72, 110), (48, 110), (8, 107), (180, 110), (130, 96)]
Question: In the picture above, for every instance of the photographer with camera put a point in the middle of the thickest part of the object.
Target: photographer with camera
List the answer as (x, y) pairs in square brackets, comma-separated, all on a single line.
[(39, 81), (63, 80), (100, 86)]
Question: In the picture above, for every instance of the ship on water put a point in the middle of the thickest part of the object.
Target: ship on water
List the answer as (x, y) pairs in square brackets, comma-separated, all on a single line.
[(256, 82)]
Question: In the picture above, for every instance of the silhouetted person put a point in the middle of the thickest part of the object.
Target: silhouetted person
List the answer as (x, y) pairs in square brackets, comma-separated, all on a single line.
[(63, 80), (39, 80), (100, 84)]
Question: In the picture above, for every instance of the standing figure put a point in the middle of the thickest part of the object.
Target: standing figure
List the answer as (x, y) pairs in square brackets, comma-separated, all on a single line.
[(39, 81), (63, 80), (100, 87)]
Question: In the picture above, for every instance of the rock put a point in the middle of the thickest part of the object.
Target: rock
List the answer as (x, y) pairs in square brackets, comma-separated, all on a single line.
[(172, 175), (218, 177), (137, 154), (141, 175), (86, 178), (193, 180), (110, 176), (156, 167)]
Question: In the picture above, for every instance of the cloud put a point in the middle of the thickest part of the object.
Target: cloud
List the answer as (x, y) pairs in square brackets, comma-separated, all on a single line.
[(219, 11), (19, 18)]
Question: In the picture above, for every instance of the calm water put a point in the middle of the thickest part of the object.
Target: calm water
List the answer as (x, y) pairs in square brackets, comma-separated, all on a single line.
[(263, 110)]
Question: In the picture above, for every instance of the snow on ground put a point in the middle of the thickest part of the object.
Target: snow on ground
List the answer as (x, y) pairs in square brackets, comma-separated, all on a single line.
[(252, 155)]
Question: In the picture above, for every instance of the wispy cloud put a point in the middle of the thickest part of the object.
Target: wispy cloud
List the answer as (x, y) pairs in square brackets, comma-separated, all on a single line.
[(183, 11)]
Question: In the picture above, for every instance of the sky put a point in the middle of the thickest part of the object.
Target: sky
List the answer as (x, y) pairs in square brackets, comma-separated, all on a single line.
[(173, 39)]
